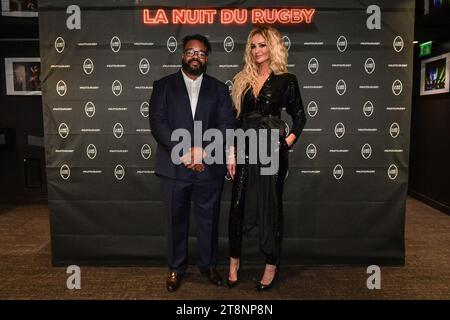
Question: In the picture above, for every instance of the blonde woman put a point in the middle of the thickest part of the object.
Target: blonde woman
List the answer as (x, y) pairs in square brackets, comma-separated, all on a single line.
[(260, 90)]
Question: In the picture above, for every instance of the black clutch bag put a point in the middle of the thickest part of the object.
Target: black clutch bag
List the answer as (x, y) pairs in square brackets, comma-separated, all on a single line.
[(270, 122)]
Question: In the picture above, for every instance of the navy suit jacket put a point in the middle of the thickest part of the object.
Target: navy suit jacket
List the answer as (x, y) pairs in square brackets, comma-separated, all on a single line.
[(170, 109)]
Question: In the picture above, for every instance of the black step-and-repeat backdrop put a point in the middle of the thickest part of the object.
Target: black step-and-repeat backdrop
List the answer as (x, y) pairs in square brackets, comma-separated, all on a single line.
[(346, 187)]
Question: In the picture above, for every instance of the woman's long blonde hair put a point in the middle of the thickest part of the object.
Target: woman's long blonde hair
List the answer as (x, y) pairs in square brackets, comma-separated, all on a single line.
[(247, 77)]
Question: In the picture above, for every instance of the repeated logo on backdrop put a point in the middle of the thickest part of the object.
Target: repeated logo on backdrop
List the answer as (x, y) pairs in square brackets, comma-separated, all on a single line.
[(355, 84), (313, 65), (311, 107)]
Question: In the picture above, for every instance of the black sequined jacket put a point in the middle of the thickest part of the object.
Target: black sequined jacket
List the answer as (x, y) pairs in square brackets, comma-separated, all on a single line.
[(278, 92)]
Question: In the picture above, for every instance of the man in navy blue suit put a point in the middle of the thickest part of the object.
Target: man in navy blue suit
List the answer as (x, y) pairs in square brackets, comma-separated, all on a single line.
[(177, 101)]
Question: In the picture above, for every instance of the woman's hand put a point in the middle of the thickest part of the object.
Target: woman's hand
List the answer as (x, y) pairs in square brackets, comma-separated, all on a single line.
[(231, 168), (290, 139), (231, 162)]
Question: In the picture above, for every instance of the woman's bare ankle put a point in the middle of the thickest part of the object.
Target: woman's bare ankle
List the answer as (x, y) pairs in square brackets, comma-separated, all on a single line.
[(269, 274), (234, 267)]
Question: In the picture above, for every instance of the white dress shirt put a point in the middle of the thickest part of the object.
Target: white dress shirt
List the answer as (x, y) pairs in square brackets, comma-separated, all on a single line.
[(193, 89)]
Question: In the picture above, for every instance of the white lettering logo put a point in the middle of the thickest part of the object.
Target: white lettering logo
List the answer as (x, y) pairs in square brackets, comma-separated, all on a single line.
[(312, 109), (286, 42), (341, 87), (88, 66), (392, 172), (146, 151), (145, 109), (60, 44), (311, 151), (118, 130), (117, 88), (397, 87), (368, 108), (228, 44), (286, 128), (394, 130), (116, 44), (369, 66), (339, 130), (172, 44), (63, 130), (61, 88), (91, 151), (64, 171), (313, 65), (144, 66), (89, 109), (398, 44), (119, 172), (341, 43), (366, 151), (338, 172), (229, 83)]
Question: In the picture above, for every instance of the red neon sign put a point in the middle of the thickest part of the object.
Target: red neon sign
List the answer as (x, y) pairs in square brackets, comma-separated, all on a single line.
[(160, 17), (230, 16), (192, 16)]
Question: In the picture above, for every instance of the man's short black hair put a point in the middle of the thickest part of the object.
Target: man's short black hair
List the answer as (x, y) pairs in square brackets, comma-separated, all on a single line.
[(197, 37)]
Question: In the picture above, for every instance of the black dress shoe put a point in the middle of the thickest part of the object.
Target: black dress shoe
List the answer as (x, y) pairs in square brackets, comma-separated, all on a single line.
[(213, 276), (265, 287), (173, 281)]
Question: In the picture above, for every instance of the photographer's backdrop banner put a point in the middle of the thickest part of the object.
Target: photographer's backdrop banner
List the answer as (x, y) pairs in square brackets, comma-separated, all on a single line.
[(345, 192)]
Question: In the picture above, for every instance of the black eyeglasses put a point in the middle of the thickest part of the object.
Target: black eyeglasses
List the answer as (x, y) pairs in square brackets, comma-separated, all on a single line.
[(192, 52)]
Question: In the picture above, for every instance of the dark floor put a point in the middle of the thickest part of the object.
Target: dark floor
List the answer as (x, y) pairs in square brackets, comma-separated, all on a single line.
[(26, 271)]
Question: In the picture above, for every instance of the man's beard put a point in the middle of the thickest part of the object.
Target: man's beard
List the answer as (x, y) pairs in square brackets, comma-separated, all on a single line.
[(193, 71)]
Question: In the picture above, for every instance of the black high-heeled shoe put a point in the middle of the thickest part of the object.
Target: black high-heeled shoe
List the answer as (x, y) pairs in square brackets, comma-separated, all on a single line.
[(233, 283), (265, 287)]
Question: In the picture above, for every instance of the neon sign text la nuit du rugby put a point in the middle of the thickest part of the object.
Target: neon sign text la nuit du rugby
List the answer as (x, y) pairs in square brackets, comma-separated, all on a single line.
[(229, 16)]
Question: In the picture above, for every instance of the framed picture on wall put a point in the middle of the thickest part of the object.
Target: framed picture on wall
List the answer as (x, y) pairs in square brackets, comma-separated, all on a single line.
[(23, 76), (435, 75), (431, 6), (20, 8)]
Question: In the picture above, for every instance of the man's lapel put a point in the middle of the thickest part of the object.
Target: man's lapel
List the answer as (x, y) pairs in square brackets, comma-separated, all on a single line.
[(201, 112), (182, 93)]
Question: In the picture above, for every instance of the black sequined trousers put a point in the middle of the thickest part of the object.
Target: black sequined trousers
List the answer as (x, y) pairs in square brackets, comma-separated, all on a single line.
[(245, 193)]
